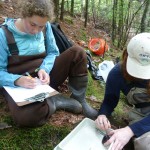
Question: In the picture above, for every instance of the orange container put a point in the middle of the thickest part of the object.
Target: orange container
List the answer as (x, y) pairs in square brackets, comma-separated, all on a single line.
[(98, 46)]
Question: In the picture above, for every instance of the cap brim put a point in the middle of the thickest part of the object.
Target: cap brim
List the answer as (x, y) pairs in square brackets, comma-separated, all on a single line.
[(135, 69)]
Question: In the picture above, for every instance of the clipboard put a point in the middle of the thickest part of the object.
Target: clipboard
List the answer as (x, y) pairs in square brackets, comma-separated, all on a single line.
[(23, 96), (85, 136)]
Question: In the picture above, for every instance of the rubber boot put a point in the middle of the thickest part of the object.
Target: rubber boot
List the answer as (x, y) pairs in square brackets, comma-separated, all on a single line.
[(60, 102), (78, 87)]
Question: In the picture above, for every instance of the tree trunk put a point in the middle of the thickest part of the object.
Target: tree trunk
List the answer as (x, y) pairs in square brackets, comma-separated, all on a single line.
[(93, 11), (145, 12), (72, 7), (62, 10), (86, 13), (56, 5), (106, 2), (68, 6), (98, 9), (82, 10), (114, 20), (120, 23)]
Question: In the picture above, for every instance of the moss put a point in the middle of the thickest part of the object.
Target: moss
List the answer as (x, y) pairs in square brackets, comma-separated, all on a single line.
[(43, 138)]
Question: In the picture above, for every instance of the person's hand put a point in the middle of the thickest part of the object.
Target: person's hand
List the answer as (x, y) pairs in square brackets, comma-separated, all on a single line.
[(26, 82), (102, 123), (119, 138), (44, 77)]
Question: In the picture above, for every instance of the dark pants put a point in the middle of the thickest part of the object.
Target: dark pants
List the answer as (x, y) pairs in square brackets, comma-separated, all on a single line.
[(72, 62)]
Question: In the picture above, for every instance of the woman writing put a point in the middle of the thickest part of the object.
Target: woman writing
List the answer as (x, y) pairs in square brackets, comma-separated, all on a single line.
[(30, 52)]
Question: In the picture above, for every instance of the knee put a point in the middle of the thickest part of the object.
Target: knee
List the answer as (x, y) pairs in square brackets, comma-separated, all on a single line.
[(79, 51), (27, 121), (32, 117), (24, 122)]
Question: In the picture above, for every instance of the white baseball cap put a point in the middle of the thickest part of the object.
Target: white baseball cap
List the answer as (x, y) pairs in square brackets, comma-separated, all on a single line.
[(138, 60)]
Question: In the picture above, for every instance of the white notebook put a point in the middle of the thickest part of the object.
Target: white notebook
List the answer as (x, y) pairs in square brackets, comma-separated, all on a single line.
[(23, 96)]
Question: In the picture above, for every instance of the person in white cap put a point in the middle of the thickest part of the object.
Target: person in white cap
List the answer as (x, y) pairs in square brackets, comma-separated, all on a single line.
[(131, 76)]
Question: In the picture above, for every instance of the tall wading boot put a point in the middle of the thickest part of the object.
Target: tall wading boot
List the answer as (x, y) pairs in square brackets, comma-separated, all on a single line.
[(60, 102), (78, 87)]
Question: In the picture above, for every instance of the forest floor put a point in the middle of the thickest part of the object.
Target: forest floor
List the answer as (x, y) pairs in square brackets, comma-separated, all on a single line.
[(74, 29)]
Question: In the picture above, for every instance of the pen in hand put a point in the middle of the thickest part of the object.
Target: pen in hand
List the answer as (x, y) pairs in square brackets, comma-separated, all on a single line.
[(38, 82), (32, 83), (27, 73)]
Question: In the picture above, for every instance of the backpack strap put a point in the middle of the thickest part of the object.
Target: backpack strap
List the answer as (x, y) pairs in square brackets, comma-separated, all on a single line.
[(13, 48), (142, 105), (10, 41)]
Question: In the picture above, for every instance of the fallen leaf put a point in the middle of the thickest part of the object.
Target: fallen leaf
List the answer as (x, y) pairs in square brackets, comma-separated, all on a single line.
[(75, 118), (93, 98)]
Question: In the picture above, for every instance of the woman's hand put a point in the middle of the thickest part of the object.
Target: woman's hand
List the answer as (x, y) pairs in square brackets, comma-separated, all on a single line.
[(102, 123), (26, 82), (119, 138), (44, 77)]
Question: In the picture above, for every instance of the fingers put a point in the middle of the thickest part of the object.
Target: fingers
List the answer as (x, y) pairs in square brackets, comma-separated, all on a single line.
[(114, 144), (102, 122), (44, 77), (110, 131), (119, 138), (26, 82), (45, 80), (30, 82)]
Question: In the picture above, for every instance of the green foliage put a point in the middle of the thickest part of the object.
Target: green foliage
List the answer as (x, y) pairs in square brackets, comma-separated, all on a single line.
[(68, 19), (43, 138), (120, 113), (95, 88), (7, 118), (82, 34), (120, 107)]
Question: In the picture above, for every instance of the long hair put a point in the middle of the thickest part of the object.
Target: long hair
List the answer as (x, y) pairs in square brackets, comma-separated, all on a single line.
[(126, 75)]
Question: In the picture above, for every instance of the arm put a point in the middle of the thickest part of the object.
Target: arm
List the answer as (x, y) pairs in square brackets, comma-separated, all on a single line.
[(141, 126), (111, 98), (123, 135), (115, 83), (52, 50), (5, 77), (112, 91), (119, 138)]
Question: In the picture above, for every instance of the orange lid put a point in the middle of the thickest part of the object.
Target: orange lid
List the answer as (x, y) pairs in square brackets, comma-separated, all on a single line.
[(98, 46)]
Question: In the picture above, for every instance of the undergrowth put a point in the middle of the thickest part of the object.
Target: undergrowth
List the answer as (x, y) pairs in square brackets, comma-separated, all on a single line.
[(42, 138)]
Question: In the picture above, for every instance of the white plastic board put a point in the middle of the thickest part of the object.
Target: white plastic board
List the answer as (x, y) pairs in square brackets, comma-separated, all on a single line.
[(104, 69), (84, 137)]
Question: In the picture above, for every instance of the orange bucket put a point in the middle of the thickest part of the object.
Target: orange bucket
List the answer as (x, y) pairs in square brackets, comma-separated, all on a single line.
[(98, 46)]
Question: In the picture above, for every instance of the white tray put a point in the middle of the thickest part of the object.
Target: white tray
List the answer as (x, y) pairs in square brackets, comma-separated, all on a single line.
[(84, 137)]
